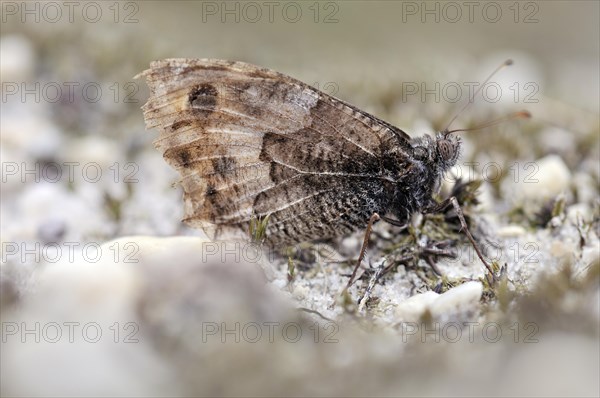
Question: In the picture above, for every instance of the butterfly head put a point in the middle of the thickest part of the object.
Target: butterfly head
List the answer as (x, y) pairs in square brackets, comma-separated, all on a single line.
[(440, 152), (447, 150)]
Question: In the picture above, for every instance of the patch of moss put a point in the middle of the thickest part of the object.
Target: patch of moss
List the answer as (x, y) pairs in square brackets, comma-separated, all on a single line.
[(558, 301), (258, 228)]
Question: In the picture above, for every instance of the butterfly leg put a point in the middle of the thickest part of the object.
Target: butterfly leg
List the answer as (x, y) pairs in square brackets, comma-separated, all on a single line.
[(374, 218), (396, 223), (463, 224)]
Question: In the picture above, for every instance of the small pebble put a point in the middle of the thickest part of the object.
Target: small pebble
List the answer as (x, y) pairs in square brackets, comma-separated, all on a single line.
[(17, 58), (411, 309), (540, 182), (457, 300), (511, 231), (586, 188)]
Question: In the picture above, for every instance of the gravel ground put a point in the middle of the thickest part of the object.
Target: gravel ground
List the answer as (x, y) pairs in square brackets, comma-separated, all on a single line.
[(105, 292)]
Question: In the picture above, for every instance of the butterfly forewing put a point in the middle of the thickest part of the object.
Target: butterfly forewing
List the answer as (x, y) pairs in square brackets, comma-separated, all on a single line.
[(249, 141)]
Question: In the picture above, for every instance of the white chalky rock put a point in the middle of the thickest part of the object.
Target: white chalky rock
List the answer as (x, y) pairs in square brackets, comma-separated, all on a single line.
[(411, 309), (457, 300)]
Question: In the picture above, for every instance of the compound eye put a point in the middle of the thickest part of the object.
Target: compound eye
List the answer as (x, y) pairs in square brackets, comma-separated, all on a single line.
[(420, 153), (445, 149)]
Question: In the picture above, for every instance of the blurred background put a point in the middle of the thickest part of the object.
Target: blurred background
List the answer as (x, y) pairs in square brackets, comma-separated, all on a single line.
[(79, 170), (69, 93)]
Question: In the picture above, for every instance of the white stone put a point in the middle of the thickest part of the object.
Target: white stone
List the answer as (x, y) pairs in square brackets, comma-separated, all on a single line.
[(82, 216), (17, 58), (585, 187), (457, 300), (557, 140), (301, 292), (579, 211), (511, 231), (442, 306), (549, 178), (411, 309)]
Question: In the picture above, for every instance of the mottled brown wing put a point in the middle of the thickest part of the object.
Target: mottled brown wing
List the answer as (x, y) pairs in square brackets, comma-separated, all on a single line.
[(250, 141)]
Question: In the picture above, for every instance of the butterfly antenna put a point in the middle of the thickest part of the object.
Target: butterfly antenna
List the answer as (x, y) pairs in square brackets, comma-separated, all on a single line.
[(512, 116), (506, 63)]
